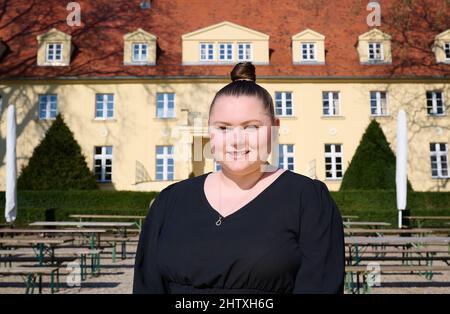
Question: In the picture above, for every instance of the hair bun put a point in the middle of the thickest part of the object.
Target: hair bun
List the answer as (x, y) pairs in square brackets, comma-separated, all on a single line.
[(243, 71)]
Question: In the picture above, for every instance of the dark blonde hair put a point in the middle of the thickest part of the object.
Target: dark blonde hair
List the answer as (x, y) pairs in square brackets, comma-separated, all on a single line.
[(243, 83)]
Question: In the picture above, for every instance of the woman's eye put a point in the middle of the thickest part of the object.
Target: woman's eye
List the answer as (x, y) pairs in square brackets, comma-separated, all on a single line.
[(251, 127)]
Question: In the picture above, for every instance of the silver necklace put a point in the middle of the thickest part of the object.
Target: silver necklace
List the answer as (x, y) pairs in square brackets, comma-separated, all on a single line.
[(219, 221)]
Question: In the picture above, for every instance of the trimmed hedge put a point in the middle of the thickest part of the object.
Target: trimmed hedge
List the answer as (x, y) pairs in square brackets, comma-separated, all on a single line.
[(374, 205), (57, 163), (374, 161), (32, 205)]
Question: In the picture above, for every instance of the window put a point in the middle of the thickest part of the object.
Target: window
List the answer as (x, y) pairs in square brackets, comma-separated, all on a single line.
[(308, 51), (165, 105), (435, 103), (283, 103), (331, 104), (140, 52), (378, 103), (333, 161), (226, 52), (376, 52), (286, 156), (206, 51), (164, 162), (103, 163), (54, 53), (447, 50), (244, 52), (104, 106), (48, 106), (439, 160)]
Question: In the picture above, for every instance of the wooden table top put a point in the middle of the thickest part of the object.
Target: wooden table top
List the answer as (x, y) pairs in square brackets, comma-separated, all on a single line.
[(82, 224), (32, 231)]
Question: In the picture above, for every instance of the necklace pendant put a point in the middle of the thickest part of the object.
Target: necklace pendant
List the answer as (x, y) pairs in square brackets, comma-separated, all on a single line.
[(219, 221)]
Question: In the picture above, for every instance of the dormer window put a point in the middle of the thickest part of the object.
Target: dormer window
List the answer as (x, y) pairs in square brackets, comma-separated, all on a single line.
[(207, 52), (441, 47), (308, 51), (308, 47), (244, 52), (139, 48), (55, 48), (224, 43), (376, 52), (140, 52), (447, 51), (226, 51), (374, 47), (54, 53)]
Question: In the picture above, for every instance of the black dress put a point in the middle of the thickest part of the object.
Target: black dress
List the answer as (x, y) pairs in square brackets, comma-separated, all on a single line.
[(289, 239)]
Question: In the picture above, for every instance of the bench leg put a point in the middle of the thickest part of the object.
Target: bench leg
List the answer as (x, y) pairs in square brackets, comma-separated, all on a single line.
[(124, 250), (57, 280), (83, 266), (54, 284), (40, 283), (113, 252), (29, 283), (96, 264), (348, 281)]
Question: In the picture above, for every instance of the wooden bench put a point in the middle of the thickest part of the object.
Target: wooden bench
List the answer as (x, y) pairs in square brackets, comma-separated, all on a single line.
[(83, 253), (30, 274), (365, 270), (113, 241), (23, 255)]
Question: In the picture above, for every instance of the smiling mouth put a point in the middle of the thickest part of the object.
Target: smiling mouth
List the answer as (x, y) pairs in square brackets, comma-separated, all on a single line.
[(237, 155)]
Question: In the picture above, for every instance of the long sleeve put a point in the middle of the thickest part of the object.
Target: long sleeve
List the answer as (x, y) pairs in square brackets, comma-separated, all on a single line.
[(147, 278), (321, 242)]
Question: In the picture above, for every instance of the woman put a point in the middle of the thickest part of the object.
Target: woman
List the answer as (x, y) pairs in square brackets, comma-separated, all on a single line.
[(249, 228)]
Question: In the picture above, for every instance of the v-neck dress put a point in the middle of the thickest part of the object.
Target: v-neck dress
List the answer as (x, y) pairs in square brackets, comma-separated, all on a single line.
[(288, 239)]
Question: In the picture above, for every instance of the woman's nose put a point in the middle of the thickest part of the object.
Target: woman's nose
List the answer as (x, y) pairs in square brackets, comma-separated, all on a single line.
[(238, 137)]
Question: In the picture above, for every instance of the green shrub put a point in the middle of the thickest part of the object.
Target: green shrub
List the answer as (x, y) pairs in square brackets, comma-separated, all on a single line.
[(373, 165), (57, 163)]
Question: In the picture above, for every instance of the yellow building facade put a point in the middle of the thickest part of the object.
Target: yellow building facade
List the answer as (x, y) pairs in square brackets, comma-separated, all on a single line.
[(142, 134)]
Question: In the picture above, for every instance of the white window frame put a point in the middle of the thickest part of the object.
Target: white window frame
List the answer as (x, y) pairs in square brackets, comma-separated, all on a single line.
[(439, 155), (103, 156), (308, 58), (332, 106), (284, 107), (447, 51), (165, 103), (245, 51), (48, 109), (226, 50), (207, 45), (142, 58), (334, 155), (104, 108), (284, 155), (379, 107), (54, 60), (165, 157), (434, 103), (370, 46)]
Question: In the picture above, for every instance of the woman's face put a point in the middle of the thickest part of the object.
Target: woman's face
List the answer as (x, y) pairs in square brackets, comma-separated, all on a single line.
[(240, 133)]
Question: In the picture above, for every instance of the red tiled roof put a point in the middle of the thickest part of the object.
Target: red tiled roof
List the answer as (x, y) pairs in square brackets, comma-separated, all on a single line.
[(99, 40)]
